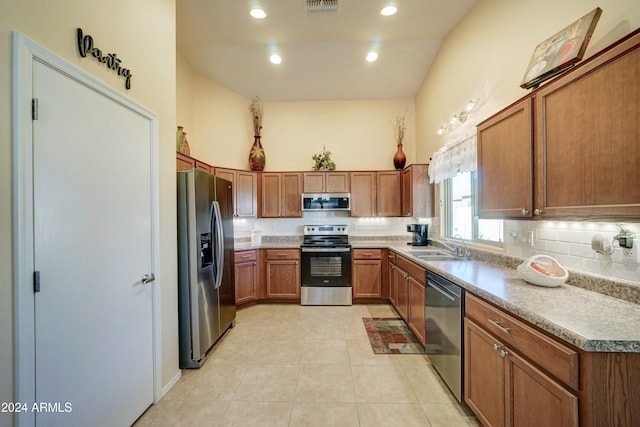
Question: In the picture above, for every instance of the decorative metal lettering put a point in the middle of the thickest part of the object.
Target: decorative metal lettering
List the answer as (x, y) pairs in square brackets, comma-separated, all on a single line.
[(85, 47)]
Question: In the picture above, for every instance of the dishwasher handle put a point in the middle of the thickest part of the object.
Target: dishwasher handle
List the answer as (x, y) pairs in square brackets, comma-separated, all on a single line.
[(442, 290)]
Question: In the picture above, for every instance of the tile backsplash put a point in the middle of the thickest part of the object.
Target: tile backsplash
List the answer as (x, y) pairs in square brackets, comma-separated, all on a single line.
[(293, 226), (570, 243)]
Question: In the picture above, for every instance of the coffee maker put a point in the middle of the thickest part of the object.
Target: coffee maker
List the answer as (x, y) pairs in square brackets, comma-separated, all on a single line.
[(419, 234)]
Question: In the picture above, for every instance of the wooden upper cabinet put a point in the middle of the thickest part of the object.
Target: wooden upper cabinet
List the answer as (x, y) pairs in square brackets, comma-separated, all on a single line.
[(245, 190), (570, 149), (337, 182), (587, 146), (184, 162), (281, 194), (246, 194), (375, 193), (270, 194), (313, 182), (417, 192), (388, 193), (204, 167), (291, 194), (363, 193), (326, 182), (228, 174), (505, 163)]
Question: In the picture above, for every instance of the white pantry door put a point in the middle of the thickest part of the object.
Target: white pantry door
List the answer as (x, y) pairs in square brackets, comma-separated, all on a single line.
[(93, 243)]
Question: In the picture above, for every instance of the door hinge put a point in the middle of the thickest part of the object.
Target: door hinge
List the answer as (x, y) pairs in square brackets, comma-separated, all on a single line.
[(34, 108), (36, 281)]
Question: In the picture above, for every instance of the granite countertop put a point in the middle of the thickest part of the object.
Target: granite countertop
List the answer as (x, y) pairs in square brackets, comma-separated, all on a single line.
[(589, 320), (245, 246)]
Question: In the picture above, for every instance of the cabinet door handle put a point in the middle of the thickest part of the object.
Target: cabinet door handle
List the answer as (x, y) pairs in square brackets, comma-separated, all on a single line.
[(504, 353), (282, 254), (538, 212), (496, 347), (245, 256), (497, 325), (525, 212)]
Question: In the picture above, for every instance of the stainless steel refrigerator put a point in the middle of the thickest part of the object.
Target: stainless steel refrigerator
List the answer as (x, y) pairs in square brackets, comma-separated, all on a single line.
[(206, 288)]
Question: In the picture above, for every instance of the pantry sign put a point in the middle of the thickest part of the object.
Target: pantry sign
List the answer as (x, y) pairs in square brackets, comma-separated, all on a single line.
[(86, 47)]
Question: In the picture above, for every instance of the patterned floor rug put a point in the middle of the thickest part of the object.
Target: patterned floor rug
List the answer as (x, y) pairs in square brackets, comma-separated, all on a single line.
[(389, 335)]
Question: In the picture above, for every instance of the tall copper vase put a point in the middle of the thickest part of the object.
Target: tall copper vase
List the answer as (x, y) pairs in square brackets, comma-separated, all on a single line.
[(399, 159), (256, 155)]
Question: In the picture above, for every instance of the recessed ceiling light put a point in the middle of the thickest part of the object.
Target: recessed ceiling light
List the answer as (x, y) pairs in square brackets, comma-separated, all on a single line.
[(258, 13), (275, 59), (388, 10), (372, 56)]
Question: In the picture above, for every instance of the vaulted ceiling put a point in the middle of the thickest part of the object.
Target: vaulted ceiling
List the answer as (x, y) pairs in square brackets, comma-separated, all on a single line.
[(323, 53)]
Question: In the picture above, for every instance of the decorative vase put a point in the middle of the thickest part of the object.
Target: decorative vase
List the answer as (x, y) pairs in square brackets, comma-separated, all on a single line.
[(256, 155), (180, 139), (399, 159), (186, 149)]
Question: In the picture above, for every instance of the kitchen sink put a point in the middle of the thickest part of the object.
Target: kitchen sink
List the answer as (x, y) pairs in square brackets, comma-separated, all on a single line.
[(431, 254)]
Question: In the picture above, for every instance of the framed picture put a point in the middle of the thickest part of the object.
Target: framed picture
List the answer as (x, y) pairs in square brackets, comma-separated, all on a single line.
[(560, 51)]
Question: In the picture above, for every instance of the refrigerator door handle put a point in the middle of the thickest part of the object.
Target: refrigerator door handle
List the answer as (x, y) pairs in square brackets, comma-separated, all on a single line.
[(216, 227)]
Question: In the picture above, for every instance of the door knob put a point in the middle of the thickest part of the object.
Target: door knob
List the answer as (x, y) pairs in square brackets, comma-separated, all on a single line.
[(538, 211), (148, 278), (524, 212)]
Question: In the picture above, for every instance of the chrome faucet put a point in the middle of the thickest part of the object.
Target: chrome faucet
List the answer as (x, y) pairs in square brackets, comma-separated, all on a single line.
[(459, 249)]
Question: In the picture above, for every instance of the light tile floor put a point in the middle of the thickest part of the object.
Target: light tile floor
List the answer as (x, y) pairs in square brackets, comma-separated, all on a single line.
[(289, 365)]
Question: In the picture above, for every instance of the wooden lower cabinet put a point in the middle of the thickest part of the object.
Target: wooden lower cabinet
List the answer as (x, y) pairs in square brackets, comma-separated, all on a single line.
[(534, 398), (282, 273), (402, 292), (514, 374), (406, 293), (503, 389), (416, 319), (391, 277), (247, 274), (484, 385), (367, 274)]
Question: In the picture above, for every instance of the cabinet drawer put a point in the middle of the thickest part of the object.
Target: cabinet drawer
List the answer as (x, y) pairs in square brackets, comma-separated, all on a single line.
[(367, 254), (279, 254), (414, 270), (557, 359), (245, 256)]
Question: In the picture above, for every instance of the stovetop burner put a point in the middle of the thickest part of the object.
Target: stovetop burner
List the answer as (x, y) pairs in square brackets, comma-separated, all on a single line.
[(325, 236)]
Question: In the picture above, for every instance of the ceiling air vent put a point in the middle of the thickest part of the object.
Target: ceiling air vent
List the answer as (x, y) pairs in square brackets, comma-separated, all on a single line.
[(314, 6)]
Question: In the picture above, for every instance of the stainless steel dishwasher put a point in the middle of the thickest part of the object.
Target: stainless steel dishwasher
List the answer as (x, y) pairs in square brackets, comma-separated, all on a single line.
[(444, 312)]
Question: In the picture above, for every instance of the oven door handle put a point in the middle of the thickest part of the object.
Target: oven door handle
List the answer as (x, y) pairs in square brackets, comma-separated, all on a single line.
[(325, 249)]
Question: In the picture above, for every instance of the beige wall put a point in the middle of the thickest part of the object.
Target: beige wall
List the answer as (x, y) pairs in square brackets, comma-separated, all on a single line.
[(486, 55), (359, 134), (142, 33)]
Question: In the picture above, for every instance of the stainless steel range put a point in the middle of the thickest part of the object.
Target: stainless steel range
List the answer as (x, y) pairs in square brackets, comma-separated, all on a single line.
[(325, 265)]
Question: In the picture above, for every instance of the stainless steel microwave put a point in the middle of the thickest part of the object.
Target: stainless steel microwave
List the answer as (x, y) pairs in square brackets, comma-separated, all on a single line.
[(326, 202)]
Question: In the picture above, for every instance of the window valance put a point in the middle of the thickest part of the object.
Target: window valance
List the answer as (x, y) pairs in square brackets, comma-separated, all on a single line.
[(455, 157)]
